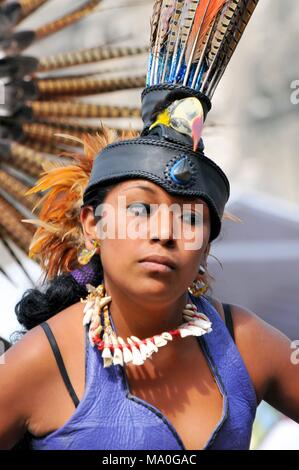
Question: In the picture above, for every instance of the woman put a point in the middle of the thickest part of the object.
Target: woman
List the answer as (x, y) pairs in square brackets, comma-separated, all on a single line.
[(192, 392), (155, 366)]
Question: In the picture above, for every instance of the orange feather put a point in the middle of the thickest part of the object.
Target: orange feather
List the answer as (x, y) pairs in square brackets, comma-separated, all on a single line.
[(204, 16), (59, 234)]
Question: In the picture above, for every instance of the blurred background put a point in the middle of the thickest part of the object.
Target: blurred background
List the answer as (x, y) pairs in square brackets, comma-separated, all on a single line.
[(251, 132)]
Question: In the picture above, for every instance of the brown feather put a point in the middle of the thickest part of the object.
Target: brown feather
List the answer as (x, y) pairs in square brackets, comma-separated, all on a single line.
[(155, 20)]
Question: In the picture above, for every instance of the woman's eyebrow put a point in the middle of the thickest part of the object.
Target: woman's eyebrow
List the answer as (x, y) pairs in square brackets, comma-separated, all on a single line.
[(151, 190)]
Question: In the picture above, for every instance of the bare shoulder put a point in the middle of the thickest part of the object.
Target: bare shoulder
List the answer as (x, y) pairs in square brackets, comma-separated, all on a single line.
[(28, 367), (252, 330), (248, 326), (67, 325), (264, 349), (33, 348)]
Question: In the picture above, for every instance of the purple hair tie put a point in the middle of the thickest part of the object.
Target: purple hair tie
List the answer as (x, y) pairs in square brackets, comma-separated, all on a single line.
[(84, 275)]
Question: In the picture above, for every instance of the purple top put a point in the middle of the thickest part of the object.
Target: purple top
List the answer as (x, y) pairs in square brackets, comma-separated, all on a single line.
[(109, 417)]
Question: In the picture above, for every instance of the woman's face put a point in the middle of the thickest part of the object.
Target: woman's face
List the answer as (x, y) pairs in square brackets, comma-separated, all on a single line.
[(141, 220)]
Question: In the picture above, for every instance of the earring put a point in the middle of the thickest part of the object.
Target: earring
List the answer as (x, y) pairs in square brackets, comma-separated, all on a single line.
[(201, 269), (85, 255), (198, 287)]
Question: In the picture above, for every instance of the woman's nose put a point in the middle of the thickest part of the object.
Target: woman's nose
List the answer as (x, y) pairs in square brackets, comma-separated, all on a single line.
[(161, 225)]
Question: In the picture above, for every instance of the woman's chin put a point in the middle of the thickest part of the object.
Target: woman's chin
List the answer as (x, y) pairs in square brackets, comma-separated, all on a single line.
[(156, 288)]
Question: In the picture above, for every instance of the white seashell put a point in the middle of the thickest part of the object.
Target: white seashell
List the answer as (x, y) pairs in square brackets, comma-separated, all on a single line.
[(118, 357), (202, 323), (90, 287), (151, 347), (104, 301), (196, 330), (88, 305), (142, 348), (98, 330), (121, 341), (159, 341), (135, 339), (95, 321), (143, 352), (185, 332), (106, 339), (137, 358), (88, 316), (127, 355), (107, 357), (106, 353), (114, 339), (167, 336), (150, 350), (189, 306), (188, 312)]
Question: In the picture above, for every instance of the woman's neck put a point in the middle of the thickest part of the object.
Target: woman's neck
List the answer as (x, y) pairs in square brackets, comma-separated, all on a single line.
[(137, 317)]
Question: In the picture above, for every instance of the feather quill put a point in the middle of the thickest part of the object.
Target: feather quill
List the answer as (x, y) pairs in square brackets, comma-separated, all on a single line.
[(173, 33), (232, 36), (166, 11), (155, 20), (206, 11), (193, 40), (186, 21)]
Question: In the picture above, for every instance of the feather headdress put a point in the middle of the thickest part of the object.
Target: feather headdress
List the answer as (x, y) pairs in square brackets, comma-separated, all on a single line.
[(191, 43)]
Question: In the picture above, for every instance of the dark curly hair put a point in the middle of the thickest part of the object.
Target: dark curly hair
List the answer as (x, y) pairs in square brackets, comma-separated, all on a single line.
[(39, 304)]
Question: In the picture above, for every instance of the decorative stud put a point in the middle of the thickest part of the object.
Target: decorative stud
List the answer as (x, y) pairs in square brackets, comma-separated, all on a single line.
[(181, 173)]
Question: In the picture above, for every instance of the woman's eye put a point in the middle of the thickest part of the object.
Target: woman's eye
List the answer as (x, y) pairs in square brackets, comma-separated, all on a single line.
[(192, 218), (139, 209)]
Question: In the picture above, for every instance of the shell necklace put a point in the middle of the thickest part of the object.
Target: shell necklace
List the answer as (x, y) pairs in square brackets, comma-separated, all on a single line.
[(114, 349)]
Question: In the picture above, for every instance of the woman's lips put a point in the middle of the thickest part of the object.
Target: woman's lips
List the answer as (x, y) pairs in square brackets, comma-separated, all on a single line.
[(158, 263), (158, 267)]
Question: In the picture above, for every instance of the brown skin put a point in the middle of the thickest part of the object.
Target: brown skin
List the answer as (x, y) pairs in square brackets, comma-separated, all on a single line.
[(31, 385), (160, 297)]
